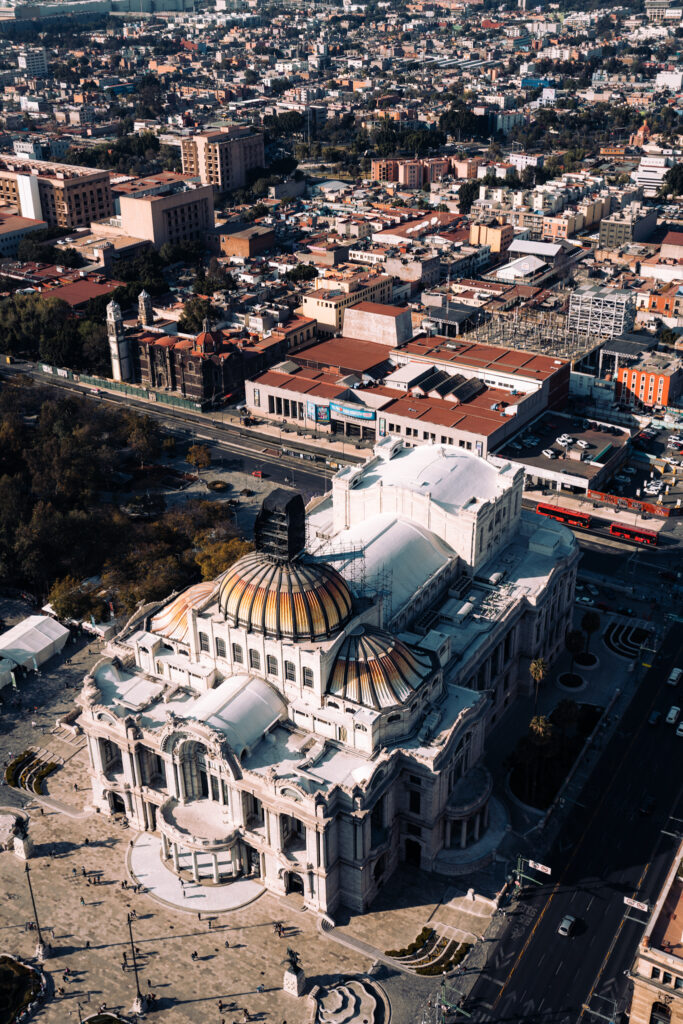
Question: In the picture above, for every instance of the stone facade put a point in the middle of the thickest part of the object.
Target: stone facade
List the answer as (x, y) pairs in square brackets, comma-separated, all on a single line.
[(303, 725)]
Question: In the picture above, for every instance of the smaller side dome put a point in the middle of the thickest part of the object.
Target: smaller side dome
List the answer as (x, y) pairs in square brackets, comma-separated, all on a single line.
[(377, 670), (172, 621)]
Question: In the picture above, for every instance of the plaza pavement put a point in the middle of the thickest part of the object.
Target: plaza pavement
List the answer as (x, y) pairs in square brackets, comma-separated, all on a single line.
[(91, 936)]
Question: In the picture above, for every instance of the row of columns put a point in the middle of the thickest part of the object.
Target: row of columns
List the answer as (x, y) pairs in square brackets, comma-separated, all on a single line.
[(172, 849), (481, 821)]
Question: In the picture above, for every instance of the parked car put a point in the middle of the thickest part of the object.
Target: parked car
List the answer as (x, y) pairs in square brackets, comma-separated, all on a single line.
[(672, 717), (621, 478), (585, 600), (549, 453), (582, 444), (592, 589), (679, 730), (630, 470), (674, 675)]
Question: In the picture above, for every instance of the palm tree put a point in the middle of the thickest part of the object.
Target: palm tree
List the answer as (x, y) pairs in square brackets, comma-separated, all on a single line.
[(537, 670), (541, 734), (590, 623), (574, 641)]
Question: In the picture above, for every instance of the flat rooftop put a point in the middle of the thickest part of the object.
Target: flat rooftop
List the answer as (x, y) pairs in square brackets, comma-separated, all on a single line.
[(477, 356), (667, 933), (603, 446)]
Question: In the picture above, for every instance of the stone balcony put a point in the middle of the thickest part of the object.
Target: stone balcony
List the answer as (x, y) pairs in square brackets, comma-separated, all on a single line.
[(198, 825)]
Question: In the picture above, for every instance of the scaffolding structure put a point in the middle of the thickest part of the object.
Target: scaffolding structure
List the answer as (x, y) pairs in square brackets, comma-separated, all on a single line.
[(349, 559), (535, 330)]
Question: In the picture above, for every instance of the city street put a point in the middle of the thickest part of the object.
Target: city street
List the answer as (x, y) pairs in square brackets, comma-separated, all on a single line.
[(607, 850)]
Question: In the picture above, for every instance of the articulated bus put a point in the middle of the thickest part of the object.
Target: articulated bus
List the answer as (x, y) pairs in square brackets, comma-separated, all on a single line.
[(565, 515), (634, 533)]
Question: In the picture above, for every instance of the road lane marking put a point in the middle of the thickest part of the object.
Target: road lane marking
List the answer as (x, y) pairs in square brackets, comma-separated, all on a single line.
[(578, 845), (614, 941)]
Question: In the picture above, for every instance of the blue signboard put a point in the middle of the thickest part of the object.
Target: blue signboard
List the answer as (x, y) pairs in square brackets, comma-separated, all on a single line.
[(356, 412)]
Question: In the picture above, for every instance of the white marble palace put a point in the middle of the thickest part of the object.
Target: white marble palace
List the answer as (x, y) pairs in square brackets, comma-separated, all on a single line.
[(318, 713)]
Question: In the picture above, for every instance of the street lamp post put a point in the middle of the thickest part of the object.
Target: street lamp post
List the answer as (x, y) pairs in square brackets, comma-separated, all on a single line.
[(42, 947), (140, 1003)]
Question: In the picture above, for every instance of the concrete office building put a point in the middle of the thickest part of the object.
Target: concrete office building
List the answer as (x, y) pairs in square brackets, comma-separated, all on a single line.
[(635, 223), (33, 61), (63, 195), (223, 157)]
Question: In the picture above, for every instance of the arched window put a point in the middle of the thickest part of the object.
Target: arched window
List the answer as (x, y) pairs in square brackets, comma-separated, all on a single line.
[(660, 1013), (308, 677), (254, 659), (271, 665), (290, 671)]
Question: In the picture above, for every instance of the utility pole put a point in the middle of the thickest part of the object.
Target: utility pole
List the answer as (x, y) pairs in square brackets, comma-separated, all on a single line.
[(42, 947), (140, 1003), (519, 872)]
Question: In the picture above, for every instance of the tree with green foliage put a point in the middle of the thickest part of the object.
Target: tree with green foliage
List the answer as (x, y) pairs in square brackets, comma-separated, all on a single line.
[(302, 272), (196, 311), (537, 670), (467, 193)]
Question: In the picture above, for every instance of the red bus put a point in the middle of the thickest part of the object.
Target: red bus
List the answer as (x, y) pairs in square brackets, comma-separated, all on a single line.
[(634, 533), (565, 515)]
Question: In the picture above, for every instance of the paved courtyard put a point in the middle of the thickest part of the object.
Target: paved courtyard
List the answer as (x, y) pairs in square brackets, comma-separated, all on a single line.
[(87, 922)]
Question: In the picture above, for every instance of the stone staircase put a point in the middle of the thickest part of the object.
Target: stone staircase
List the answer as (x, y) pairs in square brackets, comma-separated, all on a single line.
[(349, 1002)]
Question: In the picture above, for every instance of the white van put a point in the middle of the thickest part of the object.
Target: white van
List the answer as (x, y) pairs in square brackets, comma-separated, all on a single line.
[(674, 676)]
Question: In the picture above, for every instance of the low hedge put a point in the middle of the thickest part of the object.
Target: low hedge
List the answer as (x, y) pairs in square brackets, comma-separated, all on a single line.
[(42, 773), (13, 769), (445, 966), (419, 942)]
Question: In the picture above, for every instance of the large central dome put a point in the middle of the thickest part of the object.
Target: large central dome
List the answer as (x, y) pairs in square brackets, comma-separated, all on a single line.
[(292, 599)]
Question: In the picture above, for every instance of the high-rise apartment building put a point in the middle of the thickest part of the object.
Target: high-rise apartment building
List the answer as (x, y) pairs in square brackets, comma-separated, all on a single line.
[(223, 157), (61, 194), (33, 60)]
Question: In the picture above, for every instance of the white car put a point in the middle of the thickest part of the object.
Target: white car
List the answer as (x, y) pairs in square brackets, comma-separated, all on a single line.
[(672, 717), (549, 453), (679, 730), (564, 441), (583, 444)]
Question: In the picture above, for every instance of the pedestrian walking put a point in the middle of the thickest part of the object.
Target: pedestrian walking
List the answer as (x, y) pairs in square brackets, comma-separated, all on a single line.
[(125, 956), (227, 944), (84, 872), (74, 872)]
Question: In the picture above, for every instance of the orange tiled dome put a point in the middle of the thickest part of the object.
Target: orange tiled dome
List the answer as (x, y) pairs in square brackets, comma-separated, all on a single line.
[(293, 599)]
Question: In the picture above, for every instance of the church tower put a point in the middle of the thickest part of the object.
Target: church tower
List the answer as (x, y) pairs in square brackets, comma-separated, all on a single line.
[(118, 346), (145, 311)]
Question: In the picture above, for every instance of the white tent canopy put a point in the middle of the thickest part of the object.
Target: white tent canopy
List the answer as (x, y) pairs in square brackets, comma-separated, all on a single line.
[(30, 643)]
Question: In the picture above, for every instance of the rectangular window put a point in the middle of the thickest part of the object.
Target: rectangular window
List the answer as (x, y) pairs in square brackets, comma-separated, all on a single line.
[(414, 801), (290, 671), (224, 790), (237, 654), (308, 677), (254, 659), (678, 983), (666, 978), (415, 780), (257, 397), (203, 642), (220, 647), (214, 788), (271, 665)]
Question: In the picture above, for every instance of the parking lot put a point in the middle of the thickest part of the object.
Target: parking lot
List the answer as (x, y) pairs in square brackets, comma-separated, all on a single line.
[(563, 451), (655, 471)]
